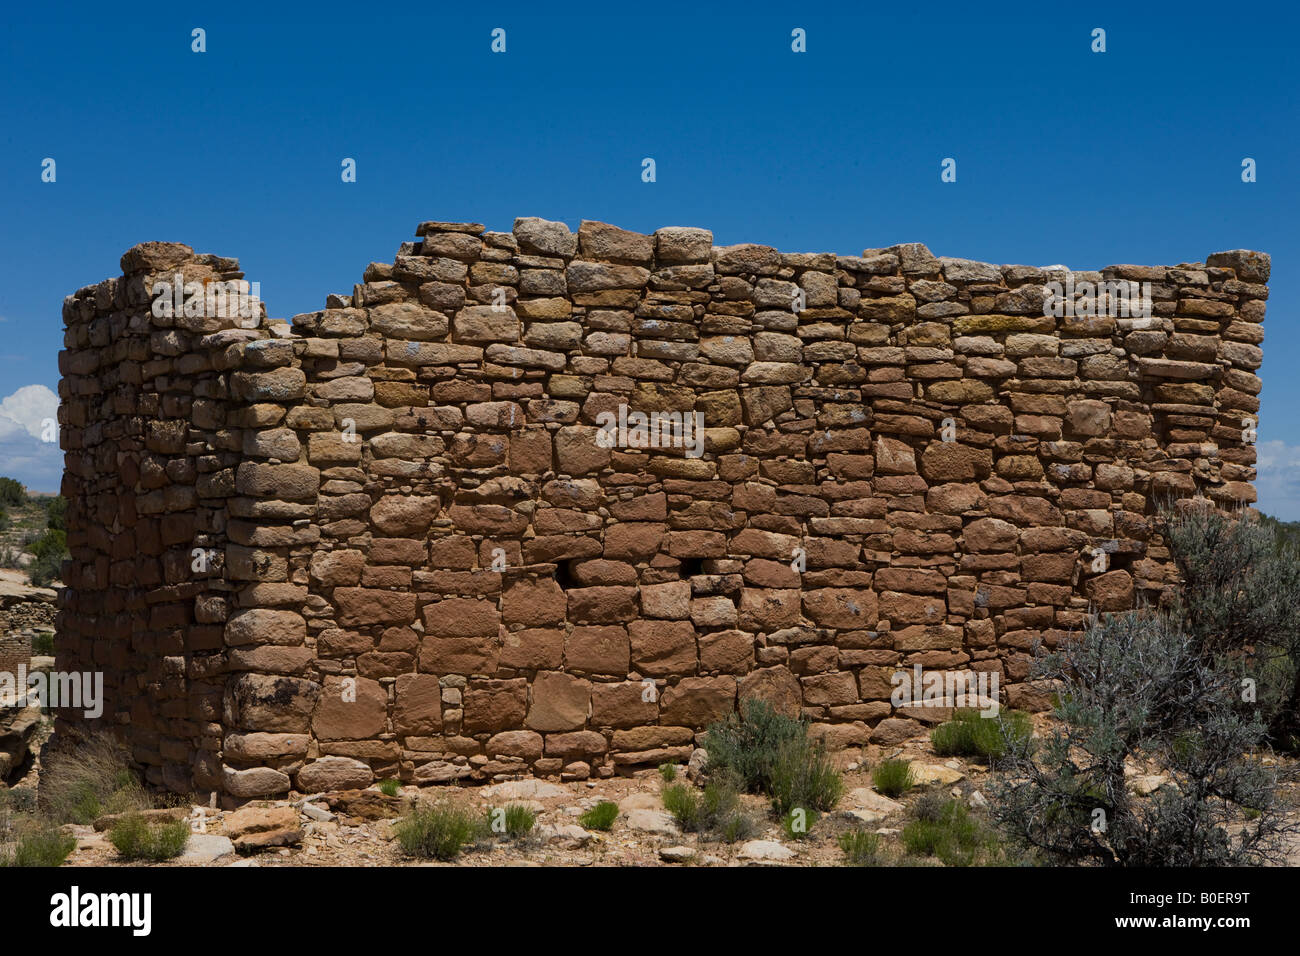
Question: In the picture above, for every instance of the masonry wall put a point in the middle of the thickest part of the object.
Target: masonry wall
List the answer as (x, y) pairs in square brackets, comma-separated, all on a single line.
[(15, 653), (385, 540)]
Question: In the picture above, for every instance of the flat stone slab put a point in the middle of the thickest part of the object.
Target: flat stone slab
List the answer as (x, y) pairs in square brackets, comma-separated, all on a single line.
[(765, 851), (524, 790), (930, 773), (568, 834), (206, 848), (864, 798), (653, 821), (640, 801), (677, 854), (868, 817)]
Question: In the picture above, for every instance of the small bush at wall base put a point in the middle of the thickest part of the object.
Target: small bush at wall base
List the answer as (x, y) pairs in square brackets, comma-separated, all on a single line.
[(762, 751), (668, 772), (81, 784), (893, 778), (601, 816), (135, 838), (390, 787), (970, 734), (746, 745), (439, 831)]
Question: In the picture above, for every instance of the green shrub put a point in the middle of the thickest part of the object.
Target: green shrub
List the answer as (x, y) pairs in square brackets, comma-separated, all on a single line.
[(683, 803), (798, 823), (762, 751), (802, 776), (893, 777), (28, 838), (745, 745), (390, 787), (439, 831), (601, 816), (715, 813), (18, 800), (135, 838), (734, 827), (12, 492), (1239, 606), (861, 848), (48, 552), (81, 784), (43, 644), (946, 829), (1138, 688), (514, 821), (40, 845), (970, 734), (56, 510), (668, 772)]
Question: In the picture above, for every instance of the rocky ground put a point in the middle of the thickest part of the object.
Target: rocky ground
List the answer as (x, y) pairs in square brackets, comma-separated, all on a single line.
[(355, 828), (643, 835)]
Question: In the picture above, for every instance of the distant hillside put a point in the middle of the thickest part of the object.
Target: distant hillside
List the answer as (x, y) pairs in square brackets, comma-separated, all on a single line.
[(31, 532), (1286, 532)]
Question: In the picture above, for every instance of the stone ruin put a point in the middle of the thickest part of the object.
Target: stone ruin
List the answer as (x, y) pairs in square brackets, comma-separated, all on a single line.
[(398, 537), (19, 718)]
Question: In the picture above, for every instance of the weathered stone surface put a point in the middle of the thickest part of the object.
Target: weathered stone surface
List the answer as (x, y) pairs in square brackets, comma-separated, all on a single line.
[(350, 709), (256, 828), (254, 782), (559, 702), (765, 851), (334, 773)]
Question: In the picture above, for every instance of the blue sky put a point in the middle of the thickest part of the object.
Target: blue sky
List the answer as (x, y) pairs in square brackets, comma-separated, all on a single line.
[(1063, 155)]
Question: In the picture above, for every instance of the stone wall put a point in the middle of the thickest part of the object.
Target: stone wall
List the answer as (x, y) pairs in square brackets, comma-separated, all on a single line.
[(33, 610), (15, 651), (388, 538)]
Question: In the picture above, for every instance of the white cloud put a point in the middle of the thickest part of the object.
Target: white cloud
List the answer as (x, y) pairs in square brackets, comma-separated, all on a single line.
[(31, 406), (23, 456), (1278, 484)]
